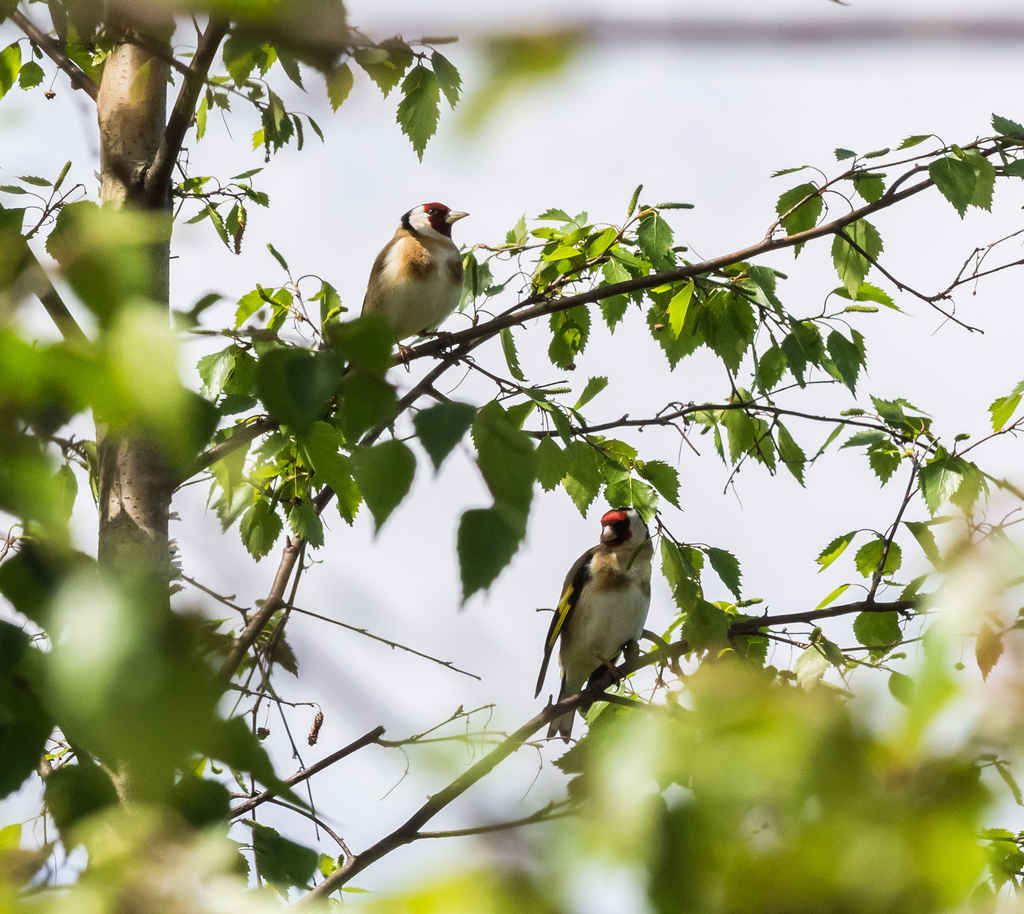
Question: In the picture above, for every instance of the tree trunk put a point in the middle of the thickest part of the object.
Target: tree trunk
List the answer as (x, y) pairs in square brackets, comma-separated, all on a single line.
[(134, 479)]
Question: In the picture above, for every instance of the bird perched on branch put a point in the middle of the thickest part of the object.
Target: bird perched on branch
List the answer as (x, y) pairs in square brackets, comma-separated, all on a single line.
[(416, 279), (603, 606)]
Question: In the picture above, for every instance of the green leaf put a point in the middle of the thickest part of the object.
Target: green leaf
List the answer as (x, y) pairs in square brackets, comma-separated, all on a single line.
[(955, 179), (706, 626), (366, 342), (339, 85), (76, 791), (418, 110), (847, 358), (805, 215), (441, 427), (727, 567), (447, 77), (901, 687), (199, 801), (487, 540), (296, 385), (366, 401), (323, 443), (386, 64), (552, 463), (260, 528), (31, 75), (655, 239), (791, 453), (1007, 127), (632, 492), (833, 595), (914, 140), (925, 539), (677, 308), (593, 387), (570, 332), (834, 549), (770, 367), (870, 186), (870, 555), (280, 861), (506, 458), (633, 199), (868, 292), (583, 476), (66, 487), (810, 666), (10, 64), (984, 181), (508, 347), (842, 154), (883, 457), (877, 629), (249, 304), (1003, 408), (939, 480), (988, 649), (850, 264), (384, 473), (664, 478), (304, 522)]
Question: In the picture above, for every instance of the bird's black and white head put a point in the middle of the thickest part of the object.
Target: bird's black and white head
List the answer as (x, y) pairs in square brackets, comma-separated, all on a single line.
[(623, 525), (432, 220)]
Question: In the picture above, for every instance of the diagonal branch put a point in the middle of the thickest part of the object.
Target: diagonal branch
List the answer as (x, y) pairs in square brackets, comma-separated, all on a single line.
[(79, 78), (158, 175), (366, 739), (410, 830), (52, 302)]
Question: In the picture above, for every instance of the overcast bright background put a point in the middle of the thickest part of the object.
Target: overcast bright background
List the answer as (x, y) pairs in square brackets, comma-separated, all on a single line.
[(706, 125)]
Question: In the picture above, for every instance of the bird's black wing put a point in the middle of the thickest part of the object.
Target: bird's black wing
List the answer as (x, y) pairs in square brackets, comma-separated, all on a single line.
[(575, 581)]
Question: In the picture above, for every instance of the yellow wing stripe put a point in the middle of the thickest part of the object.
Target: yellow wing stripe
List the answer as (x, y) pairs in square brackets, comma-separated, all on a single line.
[(563, 611)]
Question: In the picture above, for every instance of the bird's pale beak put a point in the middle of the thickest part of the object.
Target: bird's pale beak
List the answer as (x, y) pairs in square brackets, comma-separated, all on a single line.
[(608, 534), (454, 217)]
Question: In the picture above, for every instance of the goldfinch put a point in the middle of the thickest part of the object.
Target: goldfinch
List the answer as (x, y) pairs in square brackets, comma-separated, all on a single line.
[(416, 279), (603, 607)]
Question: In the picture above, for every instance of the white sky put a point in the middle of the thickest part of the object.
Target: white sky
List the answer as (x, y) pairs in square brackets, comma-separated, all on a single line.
[(706, 126)]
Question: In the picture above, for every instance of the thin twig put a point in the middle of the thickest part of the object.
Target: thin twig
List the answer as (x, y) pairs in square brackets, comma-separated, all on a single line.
[(79, 78)]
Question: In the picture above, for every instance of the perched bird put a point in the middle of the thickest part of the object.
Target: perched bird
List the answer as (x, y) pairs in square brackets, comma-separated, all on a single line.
[(416, 279), (603, 606)]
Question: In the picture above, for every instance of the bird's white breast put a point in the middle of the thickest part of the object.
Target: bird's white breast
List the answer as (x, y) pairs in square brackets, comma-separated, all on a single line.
[(412, 306)]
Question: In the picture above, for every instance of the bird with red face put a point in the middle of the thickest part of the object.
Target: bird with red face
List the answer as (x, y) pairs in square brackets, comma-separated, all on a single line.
[(603, 607), (416, 279)]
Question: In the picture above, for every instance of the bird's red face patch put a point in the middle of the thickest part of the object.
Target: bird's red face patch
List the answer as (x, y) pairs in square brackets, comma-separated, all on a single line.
[(614, 517), (437, 213)]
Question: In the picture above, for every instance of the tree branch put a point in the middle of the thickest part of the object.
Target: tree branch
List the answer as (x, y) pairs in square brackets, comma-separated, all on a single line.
[(158, 175), (78, 77), (409, 830), (366, 739), (551, 811), (243, 435), (50, 298)]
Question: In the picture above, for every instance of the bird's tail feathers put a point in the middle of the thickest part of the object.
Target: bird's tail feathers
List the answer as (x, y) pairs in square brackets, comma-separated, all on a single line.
[(562, 726)]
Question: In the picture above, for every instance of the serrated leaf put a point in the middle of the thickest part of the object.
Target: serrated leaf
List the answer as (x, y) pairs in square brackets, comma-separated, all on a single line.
[(805, 215), (339, 85), (385, 65), (593, 387), (850, 264), (842, 154), (260, 528), (791, 453), (883, 458), (506, 458), (632, 492), (847, 358), (508, 347), (955, 179), (870, 186), (706, 626), (296, 385), (570, 331), (664, 478), (1007, 127), (552, 463), (443, 426), (654, 236), (447, 76), (304, 522), (384, 474), (877, 629), (984, 181), (834, 549), (280, 861), (810, 666), (583, 475), (913, 140), (1002, 408), (487, 540), (678, 306), (332, 468), (10, 64), (925, 539), (870, 555), (939, 480), (419, 109), (832, 596), (770, 367), (727, 567), (30, 75), (868, 292)]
